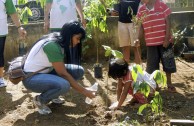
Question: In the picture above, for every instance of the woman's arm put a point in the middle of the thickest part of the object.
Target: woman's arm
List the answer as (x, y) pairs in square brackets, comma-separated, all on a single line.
[(61, 71), (22, 32)]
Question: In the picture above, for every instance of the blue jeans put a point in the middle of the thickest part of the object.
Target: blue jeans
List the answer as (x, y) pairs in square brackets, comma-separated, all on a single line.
[(52, 85)]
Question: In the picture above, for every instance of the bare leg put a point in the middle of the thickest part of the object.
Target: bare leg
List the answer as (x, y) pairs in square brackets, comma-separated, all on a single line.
[(137, 54), (171, 88), (1, 71), (126, 53)]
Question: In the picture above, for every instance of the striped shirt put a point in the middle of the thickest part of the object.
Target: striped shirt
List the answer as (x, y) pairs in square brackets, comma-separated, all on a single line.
[(154, 23)]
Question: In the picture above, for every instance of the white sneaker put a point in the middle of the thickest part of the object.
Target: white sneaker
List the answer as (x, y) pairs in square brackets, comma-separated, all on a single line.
[(58, 101), (2, 83), (42, 108)]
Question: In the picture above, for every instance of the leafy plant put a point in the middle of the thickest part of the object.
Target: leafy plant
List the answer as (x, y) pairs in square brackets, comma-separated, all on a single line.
[(136, 20), (95, 13), (156, 103), (109, 51), (23, 12)]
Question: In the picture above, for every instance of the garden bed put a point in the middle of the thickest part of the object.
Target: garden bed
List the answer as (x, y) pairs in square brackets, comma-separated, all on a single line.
[(16, 107)]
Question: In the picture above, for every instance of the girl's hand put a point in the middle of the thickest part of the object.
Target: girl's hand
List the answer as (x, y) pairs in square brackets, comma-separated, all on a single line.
[(90, 94), (114, 106)]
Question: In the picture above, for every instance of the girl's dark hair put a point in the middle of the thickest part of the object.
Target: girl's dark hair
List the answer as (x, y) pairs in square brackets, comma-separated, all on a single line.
[(68, 30), (117, 68), (64, 39)]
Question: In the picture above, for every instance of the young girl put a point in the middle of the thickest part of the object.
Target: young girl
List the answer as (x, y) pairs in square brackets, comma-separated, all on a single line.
[(119, 69)]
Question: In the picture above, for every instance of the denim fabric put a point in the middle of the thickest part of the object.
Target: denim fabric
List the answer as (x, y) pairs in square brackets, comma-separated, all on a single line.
[(2, 46), (52, 85)]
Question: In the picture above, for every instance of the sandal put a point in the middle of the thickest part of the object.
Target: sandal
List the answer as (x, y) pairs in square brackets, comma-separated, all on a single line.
[(171, 89)]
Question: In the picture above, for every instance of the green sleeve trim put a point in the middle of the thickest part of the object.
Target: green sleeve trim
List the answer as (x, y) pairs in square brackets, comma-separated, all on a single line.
[(53, 52), (49, 1), (10, 8)]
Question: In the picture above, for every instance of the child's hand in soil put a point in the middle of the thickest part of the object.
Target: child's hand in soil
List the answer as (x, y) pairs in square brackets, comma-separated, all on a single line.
[(114, 106)]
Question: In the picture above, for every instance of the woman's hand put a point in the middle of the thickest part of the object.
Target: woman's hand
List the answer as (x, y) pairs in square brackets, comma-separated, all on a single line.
[(90, 94), (22, 32)]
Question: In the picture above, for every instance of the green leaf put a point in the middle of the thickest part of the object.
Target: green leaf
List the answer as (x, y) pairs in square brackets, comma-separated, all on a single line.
[(145, 89), (135, 70), (142, 107), (106, 47), (117, 54), (29, 11), (136, 86), (157, 103), (159, 77), (108, 53)]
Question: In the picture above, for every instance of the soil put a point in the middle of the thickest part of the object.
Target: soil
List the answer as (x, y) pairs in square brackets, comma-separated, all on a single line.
[(17, 109)]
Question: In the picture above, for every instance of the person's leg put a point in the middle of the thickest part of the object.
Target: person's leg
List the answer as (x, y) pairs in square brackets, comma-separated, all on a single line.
[(50, 86), (153, 59), (133, 36), (137, 54), (2, 46), (169, 66), (126, 53), (75, 70), (124, 39)]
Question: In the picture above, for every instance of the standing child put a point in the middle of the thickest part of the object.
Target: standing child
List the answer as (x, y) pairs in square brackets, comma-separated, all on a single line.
[(125, 28), (119, 69), (156, 29)]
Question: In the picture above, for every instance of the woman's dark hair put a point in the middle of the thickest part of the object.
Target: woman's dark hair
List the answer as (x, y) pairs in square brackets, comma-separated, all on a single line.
[(117, 68), (64, 39), (68, 30)]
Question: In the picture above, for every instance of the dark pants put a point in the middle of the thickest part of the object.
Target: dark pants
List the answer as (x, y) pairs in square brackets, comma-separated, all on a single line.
[(157, 53), (2, 46)]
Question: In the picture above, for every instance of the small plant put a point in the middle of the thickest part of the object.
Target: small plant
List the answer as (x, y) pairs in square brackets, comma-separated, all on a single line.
[(155, 105), (23, 12), (95, 13), (136, 20), (109, 51)]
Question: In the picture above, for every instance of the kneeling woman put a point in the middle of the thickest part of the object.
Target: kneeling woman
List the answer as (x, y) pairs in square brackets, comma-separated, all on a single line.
[(54, 51)]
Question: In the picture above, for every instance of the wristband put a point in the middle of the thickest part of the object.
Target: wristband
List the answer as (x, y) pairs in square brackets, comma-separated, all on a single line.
[(19, 27)]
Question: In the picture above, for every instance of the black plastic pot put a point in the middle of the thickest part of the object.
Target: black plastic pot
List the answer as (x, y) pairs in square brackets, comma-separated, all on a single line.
[(98, 71)]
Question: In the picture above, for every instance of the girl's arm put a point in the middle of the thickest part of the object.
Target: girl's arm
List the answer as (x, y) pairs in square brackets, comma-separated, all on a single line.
[(124, 93), (61, 71), (119, 88)]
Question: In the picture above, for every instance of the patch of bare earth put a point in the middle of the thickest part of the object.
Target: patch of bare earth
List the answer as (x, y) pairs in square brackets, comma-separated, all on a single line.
[(17, 109)]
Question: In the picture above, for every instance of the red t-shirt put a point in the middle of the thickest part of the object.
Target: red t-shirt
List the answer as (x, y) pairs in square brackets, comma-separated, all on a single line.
[(154, 23)]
